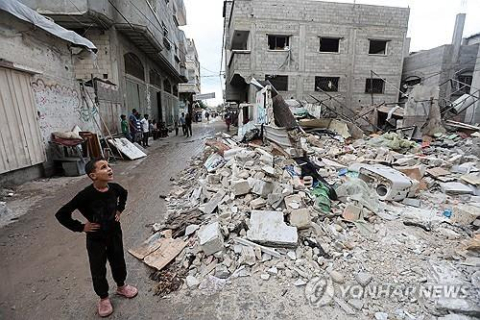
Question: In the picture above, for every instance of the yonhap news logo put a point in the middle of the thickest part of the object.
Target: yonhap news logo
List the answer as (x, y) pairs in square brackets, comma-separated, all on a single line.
[(320, 291)]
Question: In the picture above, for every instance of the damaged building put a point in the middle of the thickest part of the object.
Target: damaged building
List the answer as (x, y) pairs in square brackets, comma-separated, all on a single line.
[(140, 63), (187, 90), (340, 53), (139, 51), (451, 68)]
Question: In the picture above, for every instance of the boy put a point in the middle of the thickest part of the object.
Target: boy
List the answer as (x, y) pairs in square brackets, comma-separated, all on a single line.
[(145, 130), (101, 204), (124, 124)]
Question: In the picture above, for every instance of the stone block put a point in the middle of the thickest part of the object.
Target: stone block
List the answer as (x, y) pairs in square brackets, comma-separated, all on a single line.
[(300, 218), (211, 238), (240, 187), (258, 203)]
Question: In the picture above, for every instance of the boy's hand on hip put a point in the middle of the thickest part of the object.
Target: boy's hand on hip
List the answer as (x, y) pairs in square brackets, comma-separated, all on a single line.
[(117, 216), (91, 227)]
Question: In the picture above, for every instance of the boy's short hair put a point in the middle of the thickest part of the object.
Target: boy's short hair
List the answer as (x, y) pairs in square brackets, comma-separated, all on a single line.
[(90, 166)]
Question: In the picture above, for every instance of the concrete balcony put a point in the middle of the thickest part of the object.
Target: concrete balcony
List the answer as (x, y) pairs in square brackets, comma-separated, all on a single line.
[(75, 14), (239, 64)]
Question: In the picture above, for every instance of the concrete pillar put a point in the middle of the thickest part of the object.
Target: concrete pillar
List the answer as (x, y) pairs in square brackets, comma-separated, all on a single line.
[(456, 46), (472, 115)]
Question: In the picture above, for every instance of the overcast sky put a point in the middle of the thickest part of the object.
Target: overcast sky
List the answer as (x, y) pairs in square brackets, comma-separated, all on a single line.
[(431, 24)]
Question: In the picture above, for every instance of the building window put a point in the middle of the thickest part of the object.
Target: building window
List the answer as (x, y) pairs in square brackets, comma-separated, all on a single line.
[(329, 45), (278, 82), (278, 42), (165, 30), (326, 84), (167, 87), (378, 47), (464, 83), (134, 66), (240, 40), (374, 86), (155, 78)]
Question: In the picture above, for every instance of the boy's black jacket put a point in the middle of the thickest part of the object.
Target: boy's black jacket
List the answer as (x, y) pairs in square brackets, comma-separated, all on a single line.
[(96, 207)]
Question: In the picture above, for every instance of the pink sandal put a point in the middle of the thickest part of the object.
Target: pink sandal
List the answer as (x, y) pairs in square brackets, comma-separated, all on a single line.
[(127, 291), (105, 308)]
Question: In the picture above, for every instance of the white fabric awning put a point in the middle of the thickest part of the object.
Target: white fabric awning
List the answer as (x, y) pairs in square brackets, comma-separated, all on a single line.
[(24, 13)]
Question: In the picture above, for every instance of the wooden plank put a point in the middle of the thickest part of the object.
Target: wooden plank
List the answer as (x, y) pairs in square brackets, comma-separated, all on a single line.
[(169, 250)]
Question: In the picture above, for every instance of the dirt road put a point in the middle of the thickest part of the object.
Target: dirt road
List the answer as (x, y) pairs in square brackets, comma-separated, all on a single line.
[(44, 270)]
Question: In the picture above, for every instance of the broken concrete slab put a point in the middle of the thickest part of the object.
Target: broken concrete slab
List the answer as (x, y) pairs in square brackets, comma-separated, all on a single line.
[(462, 306), (191, 229), (363, 278), (455, 188), (210, 206), (211, 238), (268, 227), (465, 214), (300, 218), (294, 202), (260, 187)]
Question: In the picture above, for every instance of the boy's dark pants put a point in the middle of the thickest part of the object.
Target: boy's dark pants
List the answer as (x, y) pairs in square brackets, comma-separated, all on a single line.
[(100, 249)]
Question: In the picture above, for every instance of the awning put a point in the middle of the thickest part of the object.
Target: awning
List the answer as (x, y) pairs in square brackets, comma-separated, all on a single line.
[(24, 13)]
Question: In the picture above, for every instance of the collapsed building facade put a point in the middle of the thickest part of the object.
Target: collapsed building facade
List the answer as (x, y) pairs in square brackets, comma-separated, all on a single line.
[(453, 68), (340, 53)]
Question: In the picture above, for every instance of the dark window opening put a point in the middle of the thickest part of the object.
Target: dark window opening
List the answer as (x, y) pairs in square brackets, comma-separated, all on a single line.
[(278, 42), (105, 76), (329, 44), (240, 40), (134, 66), (464, 83), (326, 84), (175, 90), (374, 86), (278, 82), (378, 47), (167, 87), (155, 79)]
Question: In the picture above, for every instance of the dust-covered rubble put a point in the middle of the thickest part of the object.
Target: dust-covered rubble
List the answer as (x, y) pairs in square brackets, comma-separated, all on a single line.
[(385, 223)]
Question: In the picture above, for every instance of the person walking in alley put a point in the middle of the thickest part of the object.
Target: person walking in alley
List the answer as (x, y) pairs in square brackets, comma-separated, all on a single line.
[(145, 130), (182, 123), (102, 204), (124, 125), (188, 124)]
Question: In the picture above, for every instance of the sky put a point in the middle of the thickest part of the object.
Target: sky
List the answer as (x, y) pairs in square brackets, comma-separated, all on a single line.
[(431, 24)]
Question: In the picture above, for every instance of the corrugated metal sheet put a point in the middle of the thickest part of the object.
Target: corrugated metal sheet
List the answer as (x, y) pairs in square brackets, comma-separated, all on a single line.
[(20, 139)]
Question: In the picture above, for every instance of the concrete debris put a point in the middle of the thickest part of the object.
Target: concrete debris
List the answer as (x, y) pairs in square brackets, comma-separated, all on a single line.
[(349, 213), (268, 227), (191, 229), (210, 238), (300, 218)]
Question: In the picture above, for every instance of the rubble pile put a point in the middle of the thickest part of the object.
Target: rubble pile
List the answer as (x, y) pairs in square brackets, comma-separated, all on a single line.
[(373, 211)]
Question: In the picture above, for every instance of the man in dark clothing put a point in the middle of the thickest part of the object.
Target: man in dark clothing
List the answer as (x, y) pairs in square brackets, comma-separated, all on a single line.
[(101, 204), (133, 122), (188, 124)]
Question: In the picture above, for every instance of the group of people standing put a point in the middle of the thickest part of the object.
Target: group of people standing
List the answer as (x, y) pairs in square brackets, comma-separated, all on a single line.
[(137, 129)]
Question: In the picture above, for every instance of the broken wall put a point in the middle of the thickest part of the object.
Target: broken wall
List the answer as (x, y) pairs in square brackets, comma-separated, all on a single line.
[(56, 93)]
